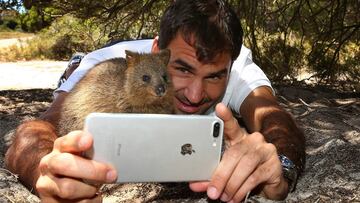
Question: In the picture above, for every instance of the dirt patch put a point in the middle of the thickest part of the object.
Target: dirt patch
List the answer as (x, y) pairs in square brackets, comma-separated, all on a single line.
[(330, 120), (30, 74)]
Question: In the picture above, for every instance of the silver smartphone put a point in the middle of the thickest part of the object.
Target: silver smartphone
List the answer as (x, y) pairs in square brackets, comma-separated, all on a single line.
[(156, 147)]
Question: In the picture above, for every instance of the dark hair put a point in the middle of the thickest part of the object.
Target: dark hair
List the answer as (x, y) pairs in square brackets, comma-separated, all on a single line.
[(210, 26)]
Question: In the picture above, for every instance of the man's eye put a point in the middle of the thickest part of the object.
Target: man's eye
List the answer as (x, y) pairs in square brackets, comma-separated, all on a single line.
[(146, 78), (183, 70), (214, 78)]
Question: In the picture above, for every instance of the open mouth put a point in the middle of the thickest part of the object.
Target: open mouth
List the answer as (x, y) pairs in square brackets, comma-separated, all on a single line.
[(186, 107)]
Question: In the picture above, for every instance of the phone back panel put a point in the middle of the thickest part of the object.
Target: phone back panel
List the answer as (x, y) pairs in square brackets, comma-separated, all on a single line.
[(156, 147)]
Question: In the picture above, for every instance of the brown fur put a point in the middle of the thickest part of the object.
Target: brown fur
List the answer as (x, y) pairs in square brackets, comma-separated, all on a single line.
[(34, 139), (117, 85)]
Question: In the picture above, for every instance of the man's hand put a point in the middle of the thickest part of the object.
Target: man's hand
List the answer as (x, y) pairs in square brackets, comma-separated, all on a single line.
[(249, 161), (63, 170)]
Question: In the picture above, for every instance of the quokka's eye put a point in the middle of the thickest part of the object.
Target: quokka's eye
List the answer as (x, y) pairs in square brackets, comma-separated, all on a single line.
[(165, 77), (146, 78)]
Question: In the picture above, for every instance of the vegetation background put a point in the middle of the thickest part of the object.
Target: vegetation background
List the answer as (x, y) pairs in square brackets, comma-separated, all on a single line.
[(288, 38)]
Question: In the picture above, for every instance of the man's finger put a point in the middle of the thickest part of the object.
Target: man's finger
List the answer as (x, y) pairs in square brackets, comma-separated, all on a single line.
[(264, 173), (66, 164), (199, 186), (96, 199), (65, 188), (225, 170), (75, 141), (232, 130), (245, 167)]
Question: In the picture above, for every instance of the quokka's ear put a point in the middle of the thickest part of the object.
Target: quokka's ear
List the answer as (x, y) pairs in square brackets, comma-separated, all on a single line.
[(164, 54), (130, 55), (131, 58)]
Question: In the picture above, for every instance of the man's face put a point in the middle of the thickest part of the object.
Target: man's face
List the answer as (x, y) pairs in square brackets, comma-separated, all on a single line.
[(197, 85)]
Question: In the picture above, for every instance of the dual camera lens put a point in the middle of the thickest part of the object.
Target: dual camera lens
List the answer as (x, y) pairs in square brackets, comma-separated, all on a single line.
[(216, 129)]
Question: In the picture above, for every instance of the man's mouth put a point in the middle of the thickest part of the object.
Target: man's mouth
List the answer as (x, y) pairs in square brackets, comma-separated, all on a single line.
[(186, 107)]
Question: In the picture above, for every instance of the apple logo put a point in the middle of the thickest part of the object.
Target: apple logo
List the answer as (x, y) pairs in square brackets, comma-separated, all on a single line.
[(187, 149)]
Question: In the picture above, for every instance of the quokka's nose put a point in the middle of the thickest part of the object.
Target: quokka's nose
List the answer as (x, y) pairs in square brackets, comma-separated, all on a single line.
[(160, 90)]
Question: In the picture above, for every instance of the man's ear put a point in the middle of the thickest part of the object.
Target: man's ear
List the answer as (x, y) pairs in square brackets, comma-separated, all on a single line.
[(155, 46)]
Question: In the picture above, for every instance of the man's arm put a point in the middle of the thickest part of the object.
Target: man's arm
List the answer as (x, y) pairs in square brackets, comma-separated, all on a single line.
[(32, 141), (262, 113), (52, 165)]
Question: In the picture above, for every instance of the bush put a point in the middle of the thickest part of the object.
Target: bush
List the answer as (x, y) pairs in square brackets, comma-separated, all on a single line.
[(64, 37), (36, 19), (64, 47), (11, 24), (280, 59)]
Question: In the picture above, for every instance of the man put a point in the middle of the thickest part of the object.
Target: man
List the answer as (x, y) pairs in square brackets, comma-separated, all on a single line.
[(205, 39)]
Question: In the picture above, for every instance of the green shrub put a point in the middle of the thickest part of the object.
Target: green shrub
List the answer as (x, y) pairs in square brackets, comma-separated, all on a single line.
[(59, 41), (35, 19), (11, 24)]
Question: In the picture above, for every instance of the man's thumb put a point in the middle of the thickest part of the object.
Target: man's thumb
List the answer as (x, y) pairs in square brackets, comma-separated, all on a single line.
[(232, 131)]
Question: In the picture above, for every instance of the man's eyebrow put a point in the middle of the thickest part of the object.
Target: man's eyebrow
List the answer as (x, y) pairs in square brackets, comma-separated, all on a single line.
[(184, 64), (218, 73), (192, 69)]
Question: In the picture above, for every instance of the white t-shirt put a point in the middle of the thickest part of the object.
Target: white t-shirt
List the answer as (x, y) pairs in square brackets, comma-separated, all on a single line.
[(245, 75)]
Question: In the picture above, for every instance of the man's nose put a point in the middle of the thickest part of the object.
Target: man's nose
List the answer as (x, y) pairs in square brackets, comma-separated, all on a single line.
[(195, 91)]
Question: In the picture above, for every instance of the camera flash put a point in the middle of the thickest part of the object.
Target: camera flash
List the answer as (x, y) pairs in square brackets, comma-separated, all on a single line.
[(214, 144)]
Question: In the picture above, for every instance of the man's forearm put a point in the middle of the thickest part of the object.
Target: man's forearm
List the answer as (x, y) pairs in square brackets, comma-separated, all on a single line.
[(262, 113), (280, 129), (33, 140)]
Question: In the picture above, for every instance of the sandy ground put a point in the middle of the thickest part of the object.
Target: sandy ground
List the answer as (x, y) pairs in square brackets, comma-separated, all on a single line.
[(30, 74), (330, 120)]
